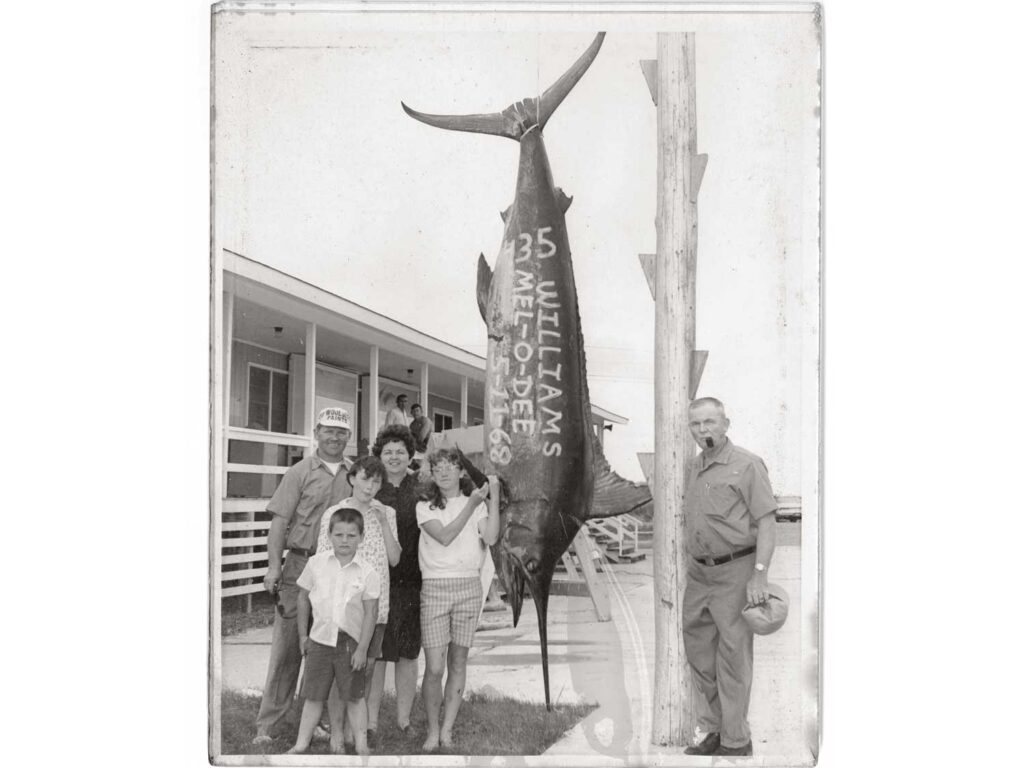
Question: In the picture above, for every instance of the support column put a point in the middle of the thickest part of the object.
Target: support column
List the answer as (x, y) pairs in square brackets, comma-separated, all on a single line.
[(310, 410), (424, 387), (464, 403), (228, 342), (675, 315), (373, 420)]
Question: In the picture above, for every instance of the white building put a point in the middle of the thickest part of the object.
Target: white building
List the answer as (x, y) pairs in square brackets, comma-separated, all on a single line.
[(285, 349)]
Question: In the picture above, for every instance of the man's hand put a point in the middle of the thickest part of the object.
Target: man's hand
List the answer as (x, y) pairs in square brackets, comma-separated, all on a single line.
[(272, 579), (304, 644), (757, 588), (359, 658)]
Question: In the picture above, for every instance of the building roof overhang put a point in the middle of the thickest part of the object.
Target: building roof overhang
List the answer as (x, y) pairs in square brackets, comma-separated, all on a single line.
[(266, 286)]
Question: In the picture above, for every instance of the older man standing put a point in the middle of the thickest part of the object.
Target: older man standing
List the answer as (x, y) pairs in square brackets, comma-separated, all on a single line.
[(729, 523), (306, 490)]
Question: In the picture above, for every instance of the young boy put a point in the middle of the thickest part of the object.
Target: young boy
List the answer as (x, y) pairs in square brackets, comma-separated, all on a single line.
[(341, 592)]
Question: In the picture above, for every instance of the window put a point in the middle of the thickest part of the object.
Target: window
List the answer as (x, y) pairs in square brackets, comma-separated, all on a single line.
[(442, 420), (267, 399)]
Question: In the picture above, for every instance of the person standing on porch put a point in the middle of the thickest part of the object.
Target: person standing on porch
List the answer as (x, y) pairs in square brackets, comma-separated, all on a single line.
[(307, 489), (421, 429), (398, 414)]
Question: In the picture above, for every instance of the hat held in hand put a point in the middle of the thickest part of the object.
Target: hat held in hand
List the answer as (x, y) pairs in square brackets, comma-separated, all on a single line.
[(768, 616)]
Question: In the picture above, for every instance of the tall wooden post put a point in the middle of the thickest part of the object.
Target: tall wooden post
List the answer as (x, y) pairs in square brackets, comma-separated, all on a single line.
[(679, 172)]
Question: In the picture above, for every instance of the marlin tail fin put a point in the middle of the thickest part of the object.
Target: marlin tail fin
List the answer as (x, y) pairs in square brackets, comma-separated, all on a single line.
[(516, 120)]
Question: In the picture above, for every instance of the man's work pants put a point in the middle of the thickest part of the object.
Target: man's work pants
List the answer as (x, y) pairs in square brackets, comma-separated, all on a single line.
[(285, 654), (719, 646)]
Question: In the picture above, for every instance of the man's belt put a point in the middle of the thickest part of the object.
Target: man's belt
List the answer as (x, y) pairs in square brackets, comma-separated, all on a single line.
[(303, 552), (709, 560)]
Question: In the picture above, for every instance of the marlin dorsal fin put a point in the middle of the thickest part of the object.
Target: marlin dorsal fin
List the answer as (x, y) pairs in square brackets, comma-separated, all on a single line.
[(483, 285), (614, 495)]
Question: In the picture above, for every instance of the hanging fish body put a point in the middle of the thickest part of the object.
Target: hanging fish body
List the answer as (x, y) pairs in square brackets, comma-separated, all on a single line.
[(538, 436)]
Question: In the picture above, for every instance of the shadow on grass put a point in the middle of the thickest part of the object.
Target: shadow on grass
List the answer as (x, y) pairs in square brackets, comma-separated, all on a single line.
[(485, 726)]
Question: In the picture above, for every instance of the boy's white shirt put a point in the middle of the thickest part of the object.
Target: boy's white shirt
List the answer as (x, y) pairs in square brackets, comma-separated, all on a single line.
[(336, 593), (378, 559)]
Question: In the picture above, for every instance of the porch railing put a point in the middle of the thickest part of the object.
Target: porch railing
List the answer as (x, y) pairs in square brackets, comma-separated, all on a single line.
[(244, 520)]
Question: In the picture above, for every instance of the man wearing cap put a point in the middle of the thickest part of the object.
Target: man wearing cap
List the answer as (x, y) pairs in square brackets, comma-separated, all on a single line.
[(729, 526), (306, 490), (397, 415)]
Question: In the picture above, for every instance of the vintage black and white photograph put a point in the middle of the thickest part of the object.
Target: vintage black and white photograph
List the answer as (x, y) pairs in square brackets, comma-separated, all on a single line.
[(516, 360)]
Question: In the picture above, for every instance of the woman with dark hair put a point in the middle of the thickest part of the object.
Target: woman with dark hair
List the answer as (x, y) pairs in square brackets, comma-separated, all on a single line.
[(394, 447), (452, 547)]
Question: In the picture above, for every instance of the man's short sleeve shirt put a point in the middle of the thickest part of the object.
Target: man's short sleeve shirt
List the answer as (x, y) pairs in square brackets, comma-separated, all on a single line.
[(723, 501), (306, 490)]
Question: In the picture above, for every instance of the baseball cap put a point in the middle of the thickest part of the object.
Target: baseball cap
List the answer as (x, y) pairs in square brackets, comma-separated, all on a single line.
[(767, 617), (334, 417)]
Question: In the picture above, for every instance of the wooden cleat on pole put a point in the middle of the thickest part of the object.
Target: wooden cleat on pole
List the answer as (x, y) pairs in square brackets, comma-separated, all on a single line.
[(700, 164), (647, 262), (650, 70), (697, 359)]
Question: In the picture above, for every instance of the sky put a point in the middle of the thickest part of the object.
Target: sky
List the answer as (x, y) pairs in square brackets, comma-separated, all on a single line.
[(320, 174)]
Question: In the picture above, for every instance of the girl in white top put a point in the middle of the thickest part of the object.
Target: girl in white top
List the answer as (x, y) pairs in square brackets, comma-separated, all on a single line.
[(379, 549), (455, 534)]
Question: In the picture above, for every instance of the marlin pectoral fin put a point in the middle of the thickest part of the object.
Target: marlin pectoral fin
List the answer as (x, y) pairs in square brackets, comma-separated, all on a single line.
[(564, 201), (483, 285), (614, 495)]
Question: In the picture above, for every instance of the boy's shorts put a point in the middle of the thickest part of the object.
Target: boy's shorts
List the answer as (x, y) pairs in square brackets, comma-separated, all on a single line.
[(325, 665), (449, 611)]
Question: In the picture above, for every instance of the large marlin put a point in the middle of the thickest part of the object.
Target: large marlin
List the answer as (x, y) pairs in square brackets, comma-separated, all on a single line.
[(538, 434)]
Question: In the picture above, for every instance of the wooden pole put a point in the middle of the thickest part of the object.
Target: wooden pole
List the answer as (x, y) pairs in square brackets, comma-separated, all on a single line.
[(675, 316), (585, 550)]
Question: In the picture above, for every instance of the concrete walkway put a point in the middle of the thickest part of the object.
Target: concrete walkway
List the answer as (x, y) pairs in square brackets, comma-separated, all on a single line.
[(610, 664)]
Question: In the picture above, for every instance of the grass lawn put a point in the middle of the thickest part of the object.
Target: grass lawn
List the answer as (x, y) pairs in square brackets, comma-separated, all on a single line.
[(234, 619), (485, 726)]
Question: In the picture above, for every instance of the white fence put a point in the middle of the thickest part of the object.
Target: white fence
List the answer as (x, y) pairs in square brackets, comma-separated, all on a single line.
[(244, 520)]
